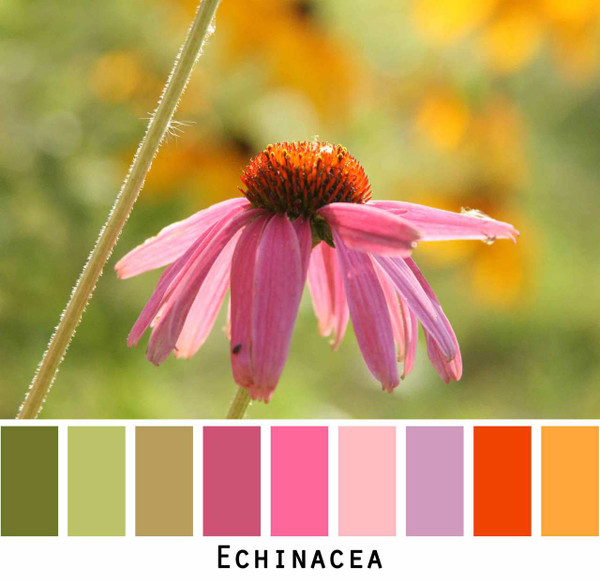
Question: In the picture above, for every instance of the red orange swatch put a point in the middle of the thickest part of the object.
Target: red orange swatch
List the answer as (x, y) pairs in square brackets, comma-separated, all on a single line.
[(502, 481)]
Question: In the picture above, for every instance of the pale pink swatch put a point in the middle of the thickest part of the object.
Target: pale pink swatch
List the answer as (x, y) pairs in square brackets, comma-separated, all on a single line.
[(367, 480), (299, 481)]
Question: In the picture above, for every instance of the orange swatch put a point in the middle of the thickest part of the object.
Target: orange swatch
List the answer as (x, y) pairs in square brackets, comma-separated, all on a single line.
[(502, 481), (570, 481)]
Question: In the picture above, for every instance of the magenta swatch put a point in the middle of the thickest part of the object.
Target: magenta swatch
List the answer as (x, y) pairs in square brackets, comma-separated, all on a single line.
[(434, 481), (299, 481), (231, 481)]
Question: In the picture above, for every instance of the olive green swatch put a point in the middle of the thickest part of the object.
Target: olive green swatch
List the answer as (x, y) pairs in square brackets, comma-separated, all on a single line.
[(96, 481), (163, 481), (29, 483)]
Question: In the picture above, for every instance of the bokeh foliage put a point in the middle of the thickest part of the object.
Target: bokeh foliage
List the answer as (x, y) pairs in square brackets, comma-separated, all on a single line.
[(489, 104)]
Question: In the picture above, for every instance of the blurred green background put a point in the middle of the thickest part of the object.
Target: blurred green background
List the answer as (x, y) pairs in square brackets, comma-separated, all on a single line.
[(493, 105)]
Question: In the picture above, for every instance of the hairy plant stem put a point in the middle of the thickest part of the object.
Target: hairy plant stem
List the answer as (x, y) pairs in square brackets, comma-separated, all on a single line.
[(239, 405), (158, 126)]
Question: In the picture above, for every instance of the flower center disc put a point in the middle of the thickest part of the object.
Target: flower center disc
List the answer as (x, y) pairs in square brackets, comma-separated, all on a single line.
[(299, 178)]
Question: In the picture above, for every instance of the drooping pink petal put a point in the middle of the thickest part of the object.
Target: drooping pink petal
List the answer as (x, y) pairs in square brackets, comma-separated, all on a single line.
[(304, 234), (243, 290), (404, 323), (393, 303), (422, 280), (320, 288), (341, 313), (167, 282), (437, 224), (279, 283), (411, 328), (327, 291), (176, 307), (427, 311), (447, 370), (171, 242), (367, 229), (206, 305), (227, 327), (369, 312)]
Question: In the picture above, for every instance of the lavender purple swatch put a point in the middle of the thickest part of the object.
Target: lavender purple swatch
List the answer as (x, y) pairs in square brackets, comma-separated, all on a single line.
[(434, 481)]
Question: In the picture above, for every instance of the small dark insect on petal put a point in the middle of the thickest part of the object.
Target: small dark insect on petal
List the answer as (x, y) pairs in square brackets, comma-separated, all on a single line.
[(237, 349)]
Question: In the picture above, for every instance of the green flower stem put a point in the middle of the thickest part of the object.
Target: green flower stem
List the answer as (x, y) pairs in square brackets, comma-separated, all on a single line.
[(239, 405), (158, 126)]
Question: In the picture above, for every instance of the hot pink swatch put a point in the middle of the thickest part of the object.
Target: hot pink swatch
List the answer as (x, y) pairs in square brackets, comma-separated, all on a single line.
[(299, 481), (367, 480)]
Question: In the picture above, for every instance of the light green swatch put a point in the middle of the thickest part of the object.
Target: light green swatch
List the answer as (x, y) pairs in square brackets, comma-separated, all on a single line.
[(96, 481)]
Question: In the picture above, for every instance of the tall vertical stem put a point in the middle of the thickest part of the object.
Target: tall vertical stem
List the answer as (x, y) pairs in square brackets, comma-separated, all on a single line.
[(109, 234)]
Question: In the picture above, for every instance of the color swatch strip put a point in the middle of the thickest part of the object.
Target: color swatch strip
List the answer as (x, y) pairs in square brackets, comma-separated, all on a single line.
[(502, 481), (570, 481), (366, 464), (434, 481), (299, 481), (367, 480)]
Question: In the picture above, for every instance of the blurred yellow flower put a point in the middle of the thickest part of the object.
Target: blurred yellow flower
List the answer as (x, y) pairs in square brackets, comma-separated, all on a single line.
[(294, 50), (487, 136), (116, 76), (496, 141), (445, 21), (576, 50), (512, 38), (570, 11), (510, 32), (121, 76), (443, 118)]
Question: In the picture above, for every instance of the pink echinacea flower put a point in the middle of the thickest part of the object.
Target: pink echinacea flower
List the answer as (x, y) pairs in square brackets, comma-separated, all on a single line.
[(306, 215)]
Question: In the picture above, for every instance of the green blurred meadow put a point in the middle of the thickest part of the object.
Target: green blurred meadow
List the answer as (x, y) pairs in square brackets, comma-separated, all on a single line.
[(488, 104)]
